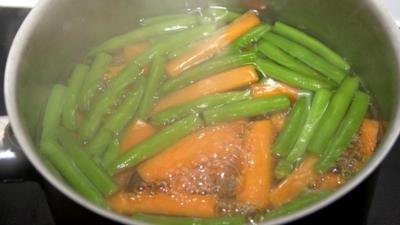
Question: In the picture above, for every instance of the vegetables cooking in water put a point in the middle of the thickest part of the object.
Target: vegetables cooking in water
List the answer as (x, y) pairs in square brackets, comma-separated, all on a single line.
[(209, 117)]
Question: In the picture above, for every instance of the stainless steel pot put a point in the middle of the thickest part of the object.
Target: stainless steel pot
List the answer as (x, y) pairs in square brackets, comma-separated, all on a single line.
[(57, 34)]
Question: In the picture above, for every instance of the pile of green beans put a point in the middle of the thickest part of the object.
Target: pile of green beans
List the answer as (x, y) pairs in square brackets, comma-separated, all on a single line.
[(84, 121)]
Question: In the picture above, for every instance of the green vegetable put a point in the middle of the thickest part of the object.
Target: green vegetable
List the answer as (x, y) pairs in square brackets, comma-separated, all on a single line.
[(311, 43), (307, 57), (165, 18), (270, 69), (250, 37), (333, 116), (169, 220), (111, 153), (173, 114), (278, 55), (67, 168), (159, 142), (243, 109), (117, 121), (143, 33), (287, 138), (296, 205), (105, 101), (175, 41), (95, 173), (207, 69), (53, 112), (72, 93), (344, 135), (152, 85), (93, 79), (319, 104)]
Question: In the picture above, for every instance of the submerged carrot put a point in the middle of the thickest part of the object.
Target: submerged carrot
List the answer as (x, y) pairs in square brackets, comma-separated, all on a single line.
[(126, 55), (278, 121), (257, 168), (204, 143), (214, 44), (228, 80), (368, 137), (329, 182), (123, 178), (164, 204), (273, 88), (135, 134), (295, 183)]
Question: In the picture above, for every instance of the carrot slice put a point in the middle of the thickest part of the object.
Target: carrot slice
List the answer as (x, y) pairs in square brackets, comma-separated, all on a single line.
[(278, 120), (295, 183), (125, 56), (273, 88), (207, 142), (329, 181), (164, 204), (212, 45), (368, 137), (228, 80), (257, 168), (136, 133)]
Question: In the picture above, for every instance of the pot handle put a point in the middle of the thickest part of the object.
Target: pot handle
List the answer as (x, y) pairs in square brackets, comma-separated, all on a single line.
[(14, 166)]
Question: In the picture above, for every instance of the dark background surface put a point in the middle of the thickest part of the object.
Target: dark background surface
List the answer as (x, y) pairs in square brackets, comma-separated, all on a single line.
[(28, 199)]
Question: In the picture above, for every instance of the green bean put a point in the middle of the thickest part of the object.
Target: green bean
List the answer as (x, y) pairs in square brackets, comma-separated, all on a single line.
[(220, 14), (307, 57), (248, 108), (90, 86), (176, 41), (173, 114), (319, 104), (207, 69), (277, 72), (152, 85), (250, 37), (157, 143), (287, 138), (71, 102), (344, 135), (311, 43), (111, 153), (143, 33), (67, 168), (117, 121), (95, 173), (333, 116), (105, 101), (278, 55), (299, 203), (53, 112), (164, 18), (169, 220)]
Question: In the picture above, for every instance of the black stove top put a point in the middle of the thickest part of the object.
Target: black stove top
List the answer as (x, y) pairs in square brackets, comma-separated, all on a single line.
[(31, 200)]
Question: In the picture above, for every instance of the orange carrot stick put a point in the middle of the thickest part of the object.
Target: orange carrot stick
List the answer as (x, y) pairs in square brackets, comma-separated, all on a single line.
[(295, 183), (204, 143), (278, 120), (211, 46), (368, 137), (164, 204), (125, 56), (228, 80), (273, 88), (257, 168), (135, 134), (329, 181)]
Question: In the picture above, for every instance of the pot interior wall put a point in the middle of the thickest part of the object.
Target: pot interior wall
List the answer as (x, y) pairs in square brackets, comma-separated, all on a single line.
[(71, 27)]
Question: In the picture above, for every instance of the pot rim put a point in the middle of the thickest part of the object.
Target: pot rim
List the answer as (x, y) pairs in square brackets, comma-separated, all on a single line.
[(10, 83)]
